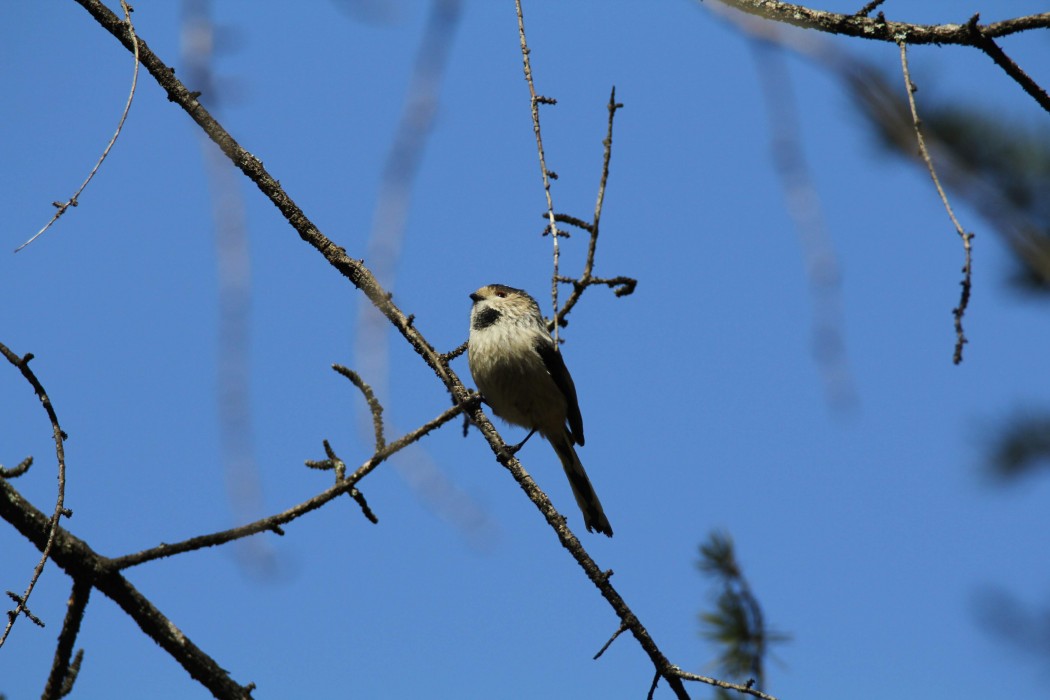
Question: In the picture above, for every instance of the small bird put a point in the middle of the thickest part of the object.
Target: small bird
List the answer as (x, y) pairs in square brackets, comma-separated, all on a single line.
[(522, 376)]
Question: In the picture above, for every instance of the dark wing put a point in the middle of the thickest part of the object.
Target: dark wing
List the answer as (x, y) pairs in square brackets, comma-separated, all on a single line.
[(555, 365)]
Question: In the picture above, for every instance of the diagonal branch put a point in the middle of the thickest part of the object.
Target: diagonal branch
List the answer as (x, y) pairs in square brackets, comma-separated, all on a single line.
[(985, 43), (252, 167), (79, 561), (878, 28), (362, 278)]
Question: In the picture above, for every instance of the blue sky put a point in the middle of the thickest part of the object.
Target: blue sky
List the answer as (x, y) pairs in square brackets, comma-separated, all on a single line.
[(869, 534)]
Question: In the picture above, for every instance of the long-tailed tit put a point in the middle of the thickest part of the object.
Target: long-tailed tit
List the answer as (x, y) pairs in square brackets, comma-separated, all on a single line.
[(522, 376)]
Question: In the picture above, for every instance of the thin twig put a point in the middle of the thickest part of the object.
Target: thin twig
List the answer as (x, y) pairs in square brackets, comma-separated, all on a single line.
[(964, 299), (454, 353), (652, 687), (62, 207), (22, 363), (623, 285), (986, 44), (374, 407), (722, 684), (17, 470), (346, 485), (612, 108), (867, 9), (535, 101), (617, 633)]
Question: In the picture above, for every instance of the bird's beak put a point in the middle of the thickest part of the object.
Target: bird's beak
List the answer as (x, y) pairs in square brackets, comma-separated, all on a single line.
[(475, 298)]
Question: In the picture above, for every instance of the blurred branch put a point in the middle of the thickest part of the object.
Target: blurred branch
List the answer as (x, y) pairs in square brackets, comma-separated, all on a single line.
[(804, 209), (62, 207), (1025, 626), (59, 436), (386, 240), (199, 39), (252, 167), (737, 622), (1022, 445)]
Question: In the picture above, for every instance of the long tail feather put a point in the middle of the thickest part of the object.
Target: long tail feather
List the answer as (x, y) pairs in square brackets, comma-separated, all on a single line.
[(593, 515)]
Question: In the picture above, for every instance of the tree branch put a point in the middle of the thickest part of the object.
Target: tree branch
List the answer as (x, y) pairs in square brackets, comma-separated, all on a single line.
[(62, 207), (274, 522), (879, 28), (82, 563), (536, 101), (984, 42), (964, 298), (64, 673), (22, 363), (252, 167), (362, 278)]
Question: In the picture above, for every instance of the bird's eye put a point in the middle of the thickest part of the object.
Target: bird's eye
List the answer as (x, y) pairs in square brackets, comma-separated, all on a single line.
[(501, 295)]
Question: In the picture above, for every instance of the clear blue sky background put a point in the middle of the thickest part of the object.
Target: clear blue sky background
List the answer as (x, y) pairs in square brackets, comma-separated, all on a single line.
[(869, 535)]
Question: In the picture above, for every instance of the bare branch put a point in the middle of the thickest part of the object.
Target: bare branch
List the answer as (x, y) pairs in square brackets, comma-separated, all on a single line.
[(374, 407), (22, 363), (879, 28), (964, 300), (252, 167), (17, 470), (571, 543), (617, 633), (535, 101), (357, 273), (273, 522), (747, 690), (79, 561), (62, 207), (454, 353), (985, 43), (804, 208), (623, 286), (63, 672)]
